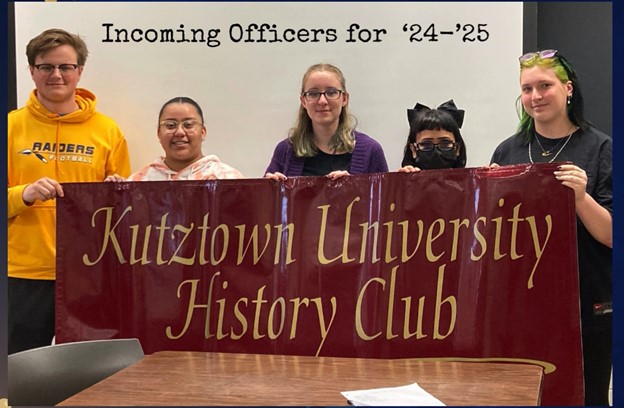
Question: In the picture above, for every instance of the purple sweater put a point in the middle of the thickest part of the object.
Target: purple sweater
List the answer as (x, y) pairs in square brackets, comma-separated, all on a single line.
[(367, 157)]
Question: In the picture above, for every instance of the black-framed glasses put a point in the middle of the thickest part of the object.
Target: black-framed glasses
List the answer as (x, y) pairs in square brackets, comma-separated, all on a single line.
[(63, 68), (171, 125), (537, 54), (330, 94), (444, 145)]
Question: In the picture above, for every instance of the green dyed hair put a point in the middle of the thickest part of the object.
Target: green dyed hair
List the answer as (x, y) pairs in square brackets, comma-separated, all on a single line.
[(564, 72)]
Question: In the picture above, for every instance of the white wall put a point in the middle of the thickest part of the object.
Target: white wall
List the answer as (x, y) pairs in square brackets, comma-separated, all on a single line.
[(249, 91)]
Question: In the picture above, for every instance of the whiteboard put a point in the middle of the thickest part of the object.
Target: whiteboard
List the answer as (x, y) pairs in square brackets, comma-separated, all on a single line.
[(247, 69)]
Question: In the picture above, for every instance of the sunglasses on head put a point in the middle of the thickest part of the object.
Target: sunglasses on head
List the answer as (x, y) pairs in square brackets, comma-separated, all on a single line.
[(537, 54)]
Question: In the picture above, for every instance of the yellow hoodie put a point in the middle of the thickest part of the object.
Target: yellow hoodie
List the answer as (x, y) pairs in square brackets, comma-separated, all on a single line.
[(81, 146)]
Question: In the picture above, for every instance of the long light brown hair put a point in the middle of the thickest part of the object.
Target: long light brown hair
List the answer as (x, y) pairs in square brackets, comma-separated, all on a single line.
[(302, 134)]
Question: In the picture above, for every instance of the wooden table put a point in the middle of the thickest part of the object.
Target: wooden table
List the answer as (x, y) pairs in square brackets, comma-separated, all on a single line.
[(196, 378)]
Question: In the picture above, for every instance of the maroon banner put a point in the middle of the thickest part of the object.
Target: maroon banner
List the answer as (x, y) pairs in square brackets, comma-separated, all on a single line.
[(462, 264)]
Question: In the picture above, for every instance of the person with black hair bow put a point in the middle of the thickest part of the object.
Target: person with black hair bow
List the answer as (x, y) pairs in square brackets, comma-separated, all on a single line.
[(434, 140)]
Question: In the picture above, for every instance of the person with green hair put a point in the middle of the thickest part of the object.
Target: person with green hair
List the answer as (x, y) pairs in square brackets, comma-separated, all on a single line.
[(324, 141), (553, 128)]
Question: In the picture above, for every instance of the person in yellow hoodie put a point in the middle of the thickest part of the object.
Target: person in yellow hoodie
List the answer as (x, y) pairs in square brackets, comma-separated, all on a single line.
[(57, 137)]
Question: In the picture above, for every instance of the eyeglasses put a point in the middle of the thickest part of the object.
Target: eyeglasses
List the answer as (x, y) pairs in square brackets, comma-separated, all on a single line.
[(537, 54), (444, 145), (330, 94), (63, 68), (173, 125)]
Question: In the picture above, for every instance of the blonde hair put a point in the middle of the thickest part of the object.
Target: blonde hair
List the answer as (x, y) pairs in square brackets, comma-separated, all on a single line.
[(302, 135)]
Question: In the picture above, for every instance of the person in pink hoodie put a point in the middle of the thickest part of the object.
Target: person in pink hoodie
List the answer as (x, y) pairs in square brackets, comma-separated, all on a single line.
[(181, 132)]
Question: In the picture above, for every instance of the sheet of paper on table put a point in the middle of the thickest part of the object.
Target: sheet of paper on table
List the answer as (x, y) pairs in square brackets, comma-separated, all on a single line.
[(408, 395)]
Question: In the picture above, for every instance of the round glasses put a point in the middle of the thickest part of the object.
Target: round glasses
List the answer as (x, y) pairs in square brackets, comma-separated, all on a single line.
[(63, 68), (444, 146), (171, 125), (330, 94)]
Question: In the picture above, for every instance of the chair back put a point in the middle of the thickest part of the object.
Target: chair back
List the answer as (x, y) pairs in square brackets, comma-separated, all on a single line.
[(48, 375)]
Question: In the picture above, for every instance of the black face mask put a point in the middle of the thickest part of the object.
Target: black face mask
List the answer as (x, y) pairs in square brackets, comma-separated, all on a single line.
[(435, 159)]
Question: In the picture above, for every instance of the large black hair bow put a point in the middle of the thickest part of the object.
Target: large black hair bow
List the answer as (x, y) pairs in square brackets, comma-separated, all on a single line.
[(448, 106)]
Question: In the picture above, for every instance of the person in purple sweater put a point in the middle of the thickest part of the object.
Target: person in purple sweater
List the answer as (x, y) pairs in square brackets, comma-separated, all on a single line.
[(324, 141)]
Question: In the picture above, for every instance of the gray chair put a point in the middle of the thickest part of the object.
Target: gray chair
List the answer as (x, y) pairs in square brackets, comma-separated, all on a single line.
[(48, 375)]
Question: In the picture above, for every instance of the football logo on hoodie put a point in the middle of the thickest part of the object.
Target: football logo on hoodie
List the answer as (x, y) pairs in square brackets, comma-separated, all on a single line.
[(67, 152), (38, 155)]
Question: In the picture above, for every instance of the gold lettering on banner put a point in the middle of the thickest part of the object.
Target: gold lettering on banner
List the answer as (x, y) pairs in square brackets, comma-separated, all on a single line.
[(452, 301), (514, 232), (389, 257), (202, 240), (364, 245), (271, 319), (225, 239), (189, 312), (345, 242), (192, 306), (480, 239), (241, 314), (359, 326), (390, 315), (539, 249), (269, 314), (259, 301), (432, 236), (321, 316), (360, 310), (207, 324), (498, 222), (496, 238), (405, 239), (134, 243), (295, 318), (109, 235), (253, 241), (406, 322), (241, 319), (178, 259), (221, 302), (162, 228), (174, 240), (457, 224), (199, 244), (289, 245)]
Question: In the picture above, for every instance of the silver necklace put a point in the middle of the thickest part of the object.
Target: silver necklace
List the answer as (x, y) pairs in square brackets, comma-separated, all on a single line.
[(555, 156)]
